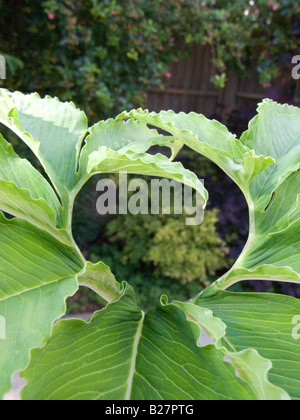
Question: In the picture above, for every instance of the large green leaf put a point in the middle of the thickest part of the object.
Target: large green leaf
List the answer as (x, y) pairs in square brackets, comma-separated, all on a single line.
[(26, 194), (116, 146), (264, 322), (40, 262), (58, 127), (211, 139), (250, 365), (53, 130), (123, 354), (37, 273), (273, 248), (265, 165), (119, 136), (275, 132)]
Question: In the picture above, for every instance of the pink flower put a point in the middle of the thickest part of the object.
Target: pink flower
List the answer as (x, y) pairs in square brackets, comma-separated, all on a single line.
[(51, 16), (273, 5), (267, 85), (172, 40), (168, 75)]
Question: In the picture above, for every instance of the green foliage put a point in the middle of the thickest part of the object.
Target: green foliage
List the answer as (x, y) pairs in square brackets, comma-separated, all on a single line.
[(138, 247), (127, 322), (197, 251), (13, 63), (104, 55), (276, 343), (123, 352), (147, 285)]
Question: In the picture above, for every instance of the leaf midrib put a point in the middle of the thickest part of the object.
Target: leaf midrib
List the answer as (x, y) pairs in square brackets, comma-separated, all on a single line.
[(134, 357)]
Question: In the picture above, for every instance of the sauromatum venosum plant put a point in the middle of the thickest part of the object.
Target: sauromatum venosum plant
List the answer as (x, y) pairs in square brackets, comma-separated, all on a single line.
[(123, 353)]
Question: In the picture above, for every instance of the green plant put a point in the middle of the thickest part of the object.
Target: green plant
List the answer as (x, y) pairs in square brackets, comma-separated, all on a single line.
[(123, 353), (137, 248), (145, 239), (147, 286), (197, 252)]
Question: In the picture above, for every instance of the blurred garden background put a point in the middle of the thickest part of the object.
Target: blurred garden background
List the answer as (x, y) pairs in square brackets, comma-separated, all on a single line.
[(219, 58)]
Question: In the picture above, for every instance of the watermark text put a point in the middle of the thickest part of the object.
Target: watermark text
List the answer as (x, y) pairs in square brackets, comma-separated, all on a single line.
[(2, 328), (296, 69), (2, 68), (159, 196), (296, 329)]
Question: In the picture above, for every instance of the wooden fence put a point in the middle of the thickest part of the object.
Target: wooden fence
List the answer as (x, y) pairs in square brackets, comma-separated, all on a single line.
[(190, 89)]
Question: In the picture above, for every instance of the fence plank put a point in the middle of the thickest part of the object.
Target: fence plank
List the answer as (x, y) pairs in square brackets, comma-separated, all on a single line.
[(190, 88)]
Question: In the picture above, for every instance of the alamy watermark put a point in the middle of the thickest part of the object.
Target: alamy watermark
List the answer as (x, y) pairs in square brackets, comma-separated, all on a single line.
[(2, 328), (296, 329), (159, 196), (2, 68), (296, 69)]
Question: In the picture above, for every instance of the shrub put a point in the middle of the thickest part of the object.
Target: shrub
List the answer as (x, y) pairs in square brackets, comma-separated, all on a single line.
[(197, 252), (138, 247)]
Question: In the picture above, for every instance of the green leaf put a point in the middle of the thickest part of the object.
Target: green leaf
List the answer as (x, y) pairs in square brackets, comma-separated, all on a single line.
[(37, 274), (99, 278), (53, 130), (108, 161), (265, 165), (123, 354), (264, 322), (26, 194), (274, 132), (116, 146), (253, 368), (120, 137), (209, 138), (273, 248)]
